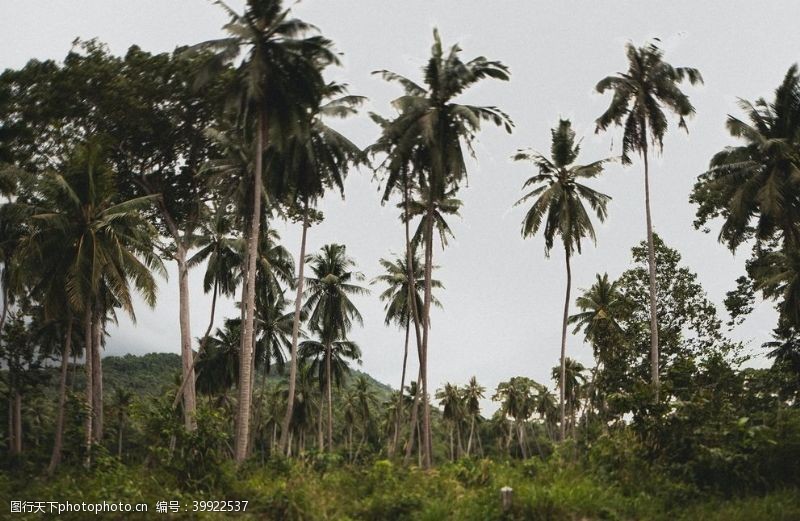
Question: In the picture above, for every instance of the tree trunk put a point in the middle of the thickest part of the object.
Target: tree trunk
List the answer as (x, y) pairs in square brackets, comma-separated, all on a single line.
[(97, 377), (87, 337), (298, 305), (471, 432), (248, 325), (399, 414), (414, 420), (412, 288), (187, 356), (426, 412), (328, 396), (55, 457), (521, 438), (651, 262), (191, 375), (320, 436), (562, 379), (5, 307)]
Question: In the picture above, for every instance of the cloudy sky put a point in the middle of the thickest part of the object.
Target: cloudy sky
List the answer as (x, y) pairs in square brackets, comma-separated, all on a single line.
[(503, 299)]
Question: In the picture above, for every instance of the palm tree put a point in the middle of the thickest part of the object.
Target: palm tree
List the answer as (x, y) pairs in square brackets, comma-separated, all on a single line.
[(573, 379), (600, 310), (639, 95), (517, 401), (756, 180), (122, 402), (330, 310), (472, 394), (453, 413), (310, 166), (399, 309), (279, 80), (559, 203), (430, 134), (328, 358), (99, 244)]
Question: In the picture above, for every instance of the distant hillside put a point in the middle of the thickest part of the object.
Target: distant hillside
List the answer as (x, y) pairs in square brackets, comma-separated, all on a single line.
[(148, 374)]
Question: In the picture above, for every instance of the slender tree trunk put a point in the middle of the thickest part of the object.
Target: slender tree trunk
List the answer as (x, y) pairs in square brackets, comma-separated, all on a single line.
[(5, 307), (87, 337), (414, 420), (97, 377), (298, 306), (426, 414), (563, 379), (651, 262), (328, 395), (320, 436), (187, 356), (399, 415), (412, 287), (452, 453), (471, 432), (12, 443), (191, 374), (249, 304), (521, 438), (55, 457)]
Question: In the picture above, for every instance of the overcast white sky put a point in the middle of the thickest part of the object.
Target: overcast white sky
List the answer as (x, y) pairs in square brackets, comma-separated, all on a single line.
[(503, 298)]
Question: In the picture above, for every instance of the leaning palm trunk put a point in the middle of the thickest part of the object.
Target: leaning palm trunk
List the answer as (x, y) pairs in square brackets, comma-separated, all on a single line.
[(187, 357), (248, 324), (55, 458), (651, 262), (471, 432), (328, 396), (87, 336), (298, 305), (563, 376)]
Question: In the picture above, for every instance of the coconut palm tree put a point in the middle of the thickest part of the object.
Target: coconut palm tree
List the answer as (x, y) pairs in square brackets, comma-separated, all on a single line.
[(399, 309), (102, 246), (574, 379), (330, 310), (280, 78), (453, 412), (600, 310), (472, 394), (329, 359), (311, 165), (756, 180), (640, 94), (517, 401), (560, 198), (430, 134)]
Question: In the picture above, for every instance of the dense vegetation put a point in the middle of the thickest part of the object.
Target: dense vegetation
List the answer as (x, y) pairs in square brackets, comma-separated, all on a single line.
[(113, 166)]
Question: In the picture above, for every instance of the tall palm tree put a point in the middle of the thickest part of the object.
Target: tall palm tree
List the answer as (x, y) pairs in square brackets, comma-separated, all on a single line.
[(399, 309), (101, 245), (330, 310), (559, 203), (640, 94), (430, 134), (280, 78), (311, 165)]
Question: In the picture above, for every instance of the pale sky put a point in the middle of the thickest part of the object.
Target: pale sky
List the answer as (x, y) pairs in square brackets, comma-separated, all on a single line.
[(503, 299)]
